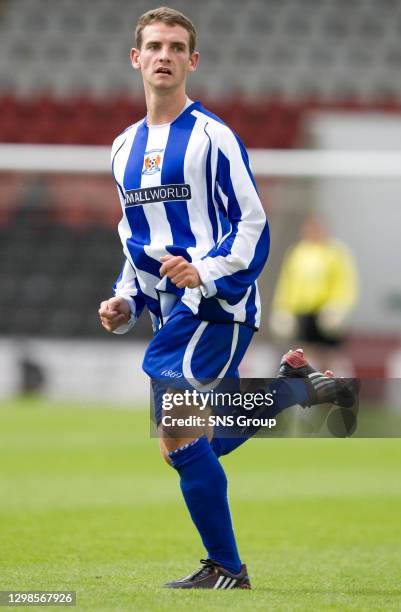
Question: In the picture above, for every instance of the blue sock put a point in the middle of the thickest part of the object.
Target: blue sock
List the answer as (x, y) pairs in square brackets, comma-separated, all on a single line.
[(204, 487), (287, 392)]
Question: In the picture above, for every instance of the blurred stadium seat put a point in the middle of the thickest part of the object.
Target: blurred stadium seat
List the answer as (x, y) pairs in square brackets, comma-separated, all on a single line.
[(65, 78), (324, 52)]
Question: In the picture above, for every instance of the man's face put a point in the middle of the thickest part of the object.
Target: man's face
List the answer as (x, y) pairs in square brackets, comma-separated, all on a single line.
[(164, 59)]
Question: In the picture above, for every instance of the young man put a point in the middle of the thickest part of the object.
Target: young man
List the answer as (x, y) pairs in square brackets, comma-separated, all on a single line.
[(195, 237)]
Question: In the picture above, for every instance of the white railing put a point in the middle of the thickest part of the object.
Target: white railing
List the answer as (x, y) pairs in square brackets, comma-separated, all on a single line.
[(295, 163)]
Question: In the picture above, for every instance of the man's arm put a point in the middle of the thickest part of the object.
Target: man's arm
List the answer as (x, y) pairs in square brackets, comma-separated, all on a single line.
[(180, 271), (236, 261), (334, 316), (114, 313), (119, 314)]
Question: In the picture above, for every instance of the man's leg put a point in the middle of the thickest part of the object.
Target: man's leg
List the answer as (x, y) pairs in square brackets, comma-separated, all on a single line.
[(203, 482), (204, 488), (286, 392), (298, 383)]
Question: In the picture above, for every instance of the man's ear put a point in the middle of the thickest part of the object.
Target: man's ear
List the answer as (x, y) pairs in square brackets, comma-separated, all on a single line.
[(193, 61), (135, 58)]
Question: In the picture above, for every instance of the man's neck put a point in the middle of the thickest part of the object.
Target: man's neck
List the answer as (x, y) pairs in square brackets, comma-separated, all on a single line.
[(164, 109)]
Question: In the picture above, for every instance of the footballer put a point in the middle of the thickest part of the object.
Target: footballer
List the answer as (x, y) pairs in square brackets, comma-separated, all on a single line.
[(195, 239)]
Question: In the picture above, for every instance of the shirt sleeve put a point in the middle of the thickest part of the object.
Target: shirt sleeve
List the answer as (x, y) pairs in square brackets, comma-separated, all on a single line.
[(127, 286), (236, 261), (284, 297), (344, 286)]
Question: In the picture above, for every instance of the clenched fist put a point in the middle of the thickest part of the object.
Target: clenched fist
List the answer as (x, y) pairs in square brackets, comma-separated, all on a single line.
[(114, 312), (180, 271)]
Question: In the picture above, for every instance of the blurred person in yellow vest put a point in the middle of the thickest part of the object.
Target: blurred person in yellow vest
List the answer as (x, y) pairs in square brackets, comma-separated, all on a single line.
[(315, 295)]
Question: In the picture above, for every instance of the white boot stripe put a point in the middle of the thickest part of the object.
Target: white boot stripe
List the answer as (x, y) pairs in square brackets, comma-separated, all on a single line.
[(233, 582), (323, 383), (225, 583), (217, 585)]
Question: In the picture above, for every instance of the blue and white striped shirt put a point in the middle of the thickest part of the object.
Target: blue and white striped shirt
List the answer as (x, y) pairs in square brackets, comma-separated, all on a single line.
[(186, 189)]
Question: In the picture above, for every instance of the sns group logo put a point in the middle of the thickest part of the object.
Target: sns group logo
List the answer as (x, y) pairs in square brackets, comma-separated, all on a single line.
[(152, 160)]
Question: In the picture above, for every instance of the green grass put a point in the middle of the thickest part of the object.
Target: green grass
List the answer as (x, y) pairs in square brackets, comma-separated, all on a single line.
[(87, 504)]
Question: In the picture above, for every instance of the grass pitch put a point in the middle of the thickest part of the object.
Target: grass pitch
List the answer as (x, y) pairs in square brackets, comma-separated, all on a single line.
[(87, 504)]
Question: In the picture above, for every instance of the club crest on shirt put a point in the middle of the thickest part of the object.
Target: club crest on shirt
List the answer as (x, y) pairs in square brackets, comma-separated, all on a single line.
[(152, 161)]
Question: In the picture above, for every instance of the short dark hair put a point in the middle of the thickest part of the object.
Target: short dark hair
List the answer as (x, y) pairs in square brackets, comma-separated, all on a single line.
[(170, 17)]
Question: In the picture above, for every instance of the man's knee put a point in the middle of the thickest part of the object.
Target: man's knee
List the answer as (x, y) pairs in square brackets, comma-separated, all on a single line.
[(164, 452), (180, 430), (168, 445)]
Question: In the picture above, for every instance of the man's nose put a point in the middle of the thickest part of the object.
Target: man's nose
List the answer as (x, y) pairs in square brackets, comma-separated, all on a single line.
[(164, 54)]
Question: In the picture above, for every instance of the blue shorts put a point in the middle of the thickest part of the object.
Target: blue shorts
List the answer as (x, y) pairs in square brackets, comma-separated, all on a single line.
[(188, 352)]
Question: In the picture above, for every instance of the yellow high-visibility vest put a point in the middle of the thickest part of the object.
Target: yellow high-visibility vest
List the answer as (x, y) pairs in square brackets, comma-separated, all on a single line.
[(314, 275)]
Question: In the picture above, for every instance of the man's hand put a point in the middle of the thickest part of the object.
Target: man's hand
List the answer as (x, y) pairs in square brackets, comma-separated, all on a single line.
[(180, 272), (114, 312)]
